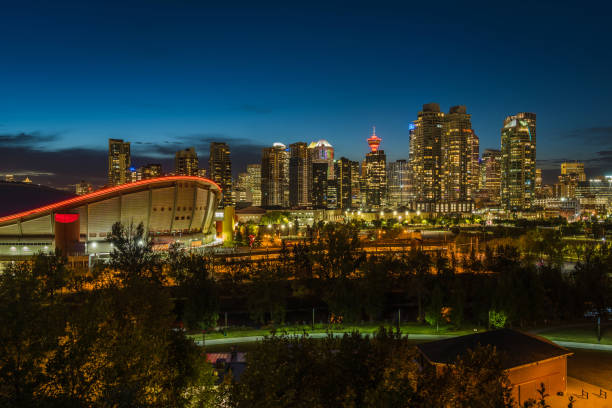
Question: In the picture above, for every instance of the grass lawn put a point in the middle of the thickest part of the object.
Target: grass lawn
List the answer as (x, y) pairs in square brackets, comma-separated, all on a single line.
[(592, 366), (411, 328), (586, 334)]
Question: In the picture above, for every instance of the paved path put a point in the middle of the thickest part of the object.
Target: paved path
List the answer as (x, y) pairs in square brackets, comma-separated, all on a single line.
[(588, 346)]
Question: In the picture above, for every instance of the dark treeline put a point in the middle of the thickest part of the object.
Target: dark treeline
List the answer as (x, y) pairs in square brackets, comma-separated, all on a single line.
[(517, 281), (108, 336)]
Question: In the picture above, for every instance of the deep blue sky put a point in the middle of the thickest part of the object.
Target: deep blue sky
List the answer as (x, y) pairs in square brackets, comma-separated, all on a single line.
[(170, 74)]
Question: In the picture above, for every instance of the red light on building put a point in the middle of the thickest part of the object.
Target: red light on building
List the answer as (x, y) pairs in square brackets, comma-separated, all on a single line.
[(66, 218), (374, 141)]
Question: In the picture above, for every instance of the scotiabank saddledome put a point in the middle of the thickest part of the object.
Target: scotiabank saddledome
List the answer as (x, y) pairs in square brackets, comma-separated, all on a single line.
[(174, 207)]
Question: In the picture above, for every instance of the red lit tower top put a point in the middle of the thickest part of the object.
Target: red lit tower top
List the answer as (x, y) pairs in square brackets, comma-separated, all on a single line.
[(374, 141)]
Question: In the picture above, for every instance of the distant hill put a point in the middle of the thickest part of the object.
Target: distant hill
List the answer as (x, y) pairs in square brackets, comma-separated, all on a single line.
[(16, 197)]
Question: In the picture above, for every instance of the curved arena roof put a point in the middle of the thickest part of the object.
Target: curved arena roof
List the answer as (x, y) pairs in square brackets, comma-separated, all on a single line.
[(165, 205)]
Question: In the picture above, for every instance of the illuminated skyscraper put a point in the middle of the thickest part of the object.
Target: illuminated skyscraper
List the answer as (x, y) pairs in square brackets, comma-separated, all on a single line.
[(425, 155), (398, 178), (253, 184), (275, 176), (186, 162), (118, 162), (459, 150), (343, 173), (376, 174), (356, 184), (220, 166), (299, 175), (323, 151), (319, 184), (518, 149), (571, 175), (490, 175)]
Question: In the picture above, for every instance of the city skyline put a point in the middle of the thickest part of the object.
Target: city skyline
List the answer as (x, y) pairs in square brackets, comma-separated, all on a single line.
[(227, 81)]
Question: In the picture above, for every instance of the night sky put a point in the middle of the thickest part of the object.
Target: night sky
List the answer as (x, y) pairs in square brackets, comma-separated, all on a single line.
[(167, 75)]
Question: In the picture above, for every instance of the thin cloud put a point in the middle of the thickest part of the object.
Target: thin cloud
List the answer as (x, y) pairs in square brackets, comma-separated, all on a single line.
[(31, 139)]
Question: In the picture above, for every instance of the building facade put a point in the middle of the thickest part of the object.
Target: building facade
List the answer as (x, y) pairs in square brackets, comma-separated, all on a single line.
[(299, 175), (425, 155), (186, 162), (459, 157), (343, 171), (319, 184), (490, 175), (119, 162), (220, 167), (275, 176), (398, 178), (518, 148), (571, 174)]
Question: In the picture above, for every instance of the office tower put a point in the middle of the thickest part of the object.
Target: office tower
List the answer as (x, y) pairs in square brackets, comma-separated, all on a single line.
[(299, 175), (518, 148), (425, 155), (83, 188), (398, 175), (343, 172), (253, 183), (571, 175), (376, 174), (149, 171), (274, 176), (186, 162), (355, 184), (459, 157), (490, 175), (239, 190), (118, 162), (319, 184), (202, 173), (220, 167), (322, 151)]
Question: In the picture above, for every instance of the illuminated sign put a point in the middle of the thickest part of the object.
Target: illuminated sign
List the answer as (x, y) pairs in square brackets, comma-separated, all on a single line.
[(66, 218)]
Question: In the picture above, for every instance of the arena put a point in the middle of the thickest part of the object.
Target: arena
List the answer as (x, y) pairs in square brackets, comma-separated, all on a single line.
[(172, 208)]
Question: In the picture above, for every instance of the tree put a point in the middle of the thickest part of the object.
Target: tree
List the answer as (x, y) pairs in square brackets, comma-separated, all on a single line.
[(132, 255)]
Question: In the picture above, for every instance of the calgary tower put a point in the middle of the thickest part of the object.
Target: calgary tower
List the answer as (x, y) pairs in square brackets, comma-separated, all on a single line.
[(374, 141)]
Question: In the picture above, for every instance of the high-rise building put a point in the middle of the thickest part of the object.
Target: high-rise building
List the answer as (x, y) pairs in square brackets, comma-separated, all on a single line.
[(343, 171), (518, 149), (398, 178), (150, 170), (376, 174), (425, 155), (239, 190), (323, 151), (319, 184), (299, 175), (83, 188), (186, 162), (275, 176), (459, 149), (490, 175), (253, 184), (356, 184), (220, 166), (571, 174), (118, 162), (202, 173)]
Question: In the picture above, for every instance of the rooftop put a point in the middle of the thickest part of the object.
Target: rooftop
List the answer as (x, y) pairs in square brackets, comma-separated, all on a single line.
[(516, 348)]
